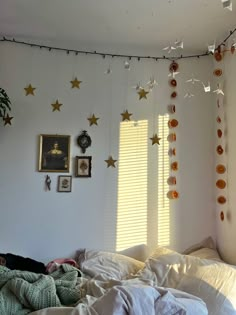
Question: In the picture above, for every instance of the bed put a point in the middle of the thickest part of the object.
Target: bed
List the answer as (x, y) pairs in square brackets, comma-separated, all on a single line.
[(134, 282)]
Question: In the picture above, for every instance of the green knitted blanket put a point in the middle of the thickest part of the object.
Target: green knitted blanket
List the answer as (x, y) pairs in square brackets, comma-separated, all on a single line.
[(22, 292)]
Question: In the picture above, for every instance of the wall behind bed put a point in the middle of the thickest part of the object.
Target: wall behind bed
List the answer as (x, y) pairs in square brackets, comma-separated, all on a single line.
[(45, 225)]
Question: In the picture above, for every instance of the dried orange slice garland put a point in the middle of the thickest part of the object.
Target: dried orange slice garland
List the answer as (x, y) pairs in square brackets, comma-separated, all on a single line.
[(221, 184), (172, 124)]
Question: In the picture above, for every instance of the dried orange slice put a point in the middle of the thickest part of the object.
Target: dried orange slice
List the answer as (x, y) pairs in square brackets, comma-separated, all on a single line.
[(173, 95), (217, 72), (219, 150), (218, 56), (173, 82), (222, 216), (220, 169), (174, 166), (172, 194), (221, 184), (221, 200), (219, 133), (174, 67), (172, 123)]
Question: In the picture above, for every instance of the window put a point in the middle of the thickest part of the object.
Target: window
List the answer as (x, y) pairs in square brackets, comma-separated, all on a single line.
[(142, 209)]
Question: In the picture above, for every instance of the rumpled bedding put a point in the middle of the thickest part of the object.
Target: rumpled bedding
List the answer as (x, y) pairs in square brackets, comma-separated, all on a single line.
[(129, 297)]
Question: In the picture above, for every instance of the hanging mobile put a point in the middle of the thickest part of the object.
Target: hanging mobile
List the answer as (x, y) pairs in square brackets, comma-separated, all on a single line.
[(84, 141)]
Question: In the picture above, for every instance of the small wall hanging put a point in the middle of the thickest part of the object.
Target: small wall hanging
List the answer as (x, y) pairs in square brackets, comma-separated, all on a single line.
[(83, 166), (84, 141), (64, 183)]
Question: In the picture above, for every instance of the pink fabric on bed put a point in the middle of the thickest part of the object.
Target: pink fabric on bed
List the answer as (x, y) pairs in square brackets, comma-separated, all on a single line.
[(54, 264)]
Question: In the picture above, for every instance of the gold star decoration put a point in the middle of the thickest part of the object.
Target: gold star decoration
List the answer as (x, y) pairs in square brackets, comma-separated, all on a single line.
[(93, 120), (75, 83), (29, 90), (126, 115), (155, 139), (56, 106), (7, 120), (110, 162), (142, 94)]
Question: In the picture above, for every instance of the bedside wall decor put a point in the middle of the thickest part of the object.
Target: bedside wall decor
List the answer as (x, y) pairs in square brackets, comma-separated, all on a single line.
[(83, 166), (54, 153)]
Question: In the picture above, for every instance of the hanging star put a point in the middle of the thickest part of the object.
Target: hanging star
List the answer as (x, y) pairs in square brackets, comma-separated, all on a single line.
[(188, 95), (207, 88), (155, 139), (211, 48), (218, 90), (179, 44), (152, 83), (227, 4), (75, 83), (127, 65), (93, 120), (29, 90), (142, 94), (169, 48), (56, 106), (137, 87), (108, 71), (110, 162), (192, 80), (173, 74), (126, 115), (7, 120)]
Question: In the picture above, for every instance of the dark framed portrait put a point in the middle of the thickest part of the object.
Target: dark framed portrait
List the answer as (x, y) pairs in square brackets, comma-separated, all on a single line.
[(64, 183), (54, 153), (83, 166)]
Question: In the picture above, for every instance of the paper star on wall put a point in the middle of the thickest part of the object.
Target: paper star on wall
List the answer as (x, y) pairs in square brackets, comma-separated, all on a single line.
[(75, 83), (93, 120), (155, 139), (29, 90), (110, 162), (126, 115), (142, 94), (7, 120), (56, 106)]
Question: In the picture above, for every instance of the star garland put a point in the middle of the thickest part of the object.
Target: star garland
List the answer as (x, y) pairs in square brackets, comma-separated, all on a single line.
[(111, 162), (93, 120)]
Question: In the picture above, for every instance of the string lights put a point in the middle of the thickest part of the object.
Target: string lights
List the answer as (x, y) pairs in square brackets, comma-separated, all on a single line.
[(129, 57)]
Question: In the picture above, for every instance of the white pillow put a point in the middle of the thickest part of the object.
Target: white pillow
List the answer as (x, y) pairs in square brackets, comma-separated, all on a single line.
[(212, 281), (106, 264), (140, 252)]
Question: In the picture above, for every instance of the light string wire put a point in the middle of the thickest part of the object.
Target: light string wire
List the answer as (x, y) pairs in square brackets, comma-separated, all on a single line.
[(76, 52)]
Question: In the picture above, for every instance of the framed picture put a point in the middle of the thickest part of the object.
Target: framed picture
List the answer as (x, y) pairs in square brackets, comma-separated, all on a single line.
[(83, 165), (54, 153), (64, 183)]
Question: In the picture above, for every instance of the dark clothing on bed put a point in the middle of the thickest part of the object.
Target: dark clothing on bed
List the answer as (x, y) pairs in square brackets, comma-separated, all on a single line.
[(12, 262)]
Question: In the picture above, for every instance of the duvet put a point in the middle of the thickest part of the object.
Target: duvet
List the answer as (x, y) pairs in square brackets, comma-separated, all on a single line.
[(129, 297)]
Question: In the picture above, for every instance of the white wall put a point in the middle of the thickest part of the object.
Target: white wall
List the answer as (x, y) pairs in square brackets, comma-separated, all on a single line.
[(45, 225), (226, 232)]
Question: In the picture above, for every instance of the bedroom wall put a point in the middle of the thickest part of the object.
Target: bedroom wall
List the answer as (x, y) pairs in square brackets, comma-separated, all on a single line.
[(44, 225), (226, 230)]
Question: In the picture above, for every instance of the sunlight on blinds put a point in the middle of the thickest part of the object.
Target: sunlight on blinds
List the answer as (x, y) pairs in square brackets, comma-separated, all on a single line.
[(132, 184), (163, 187), (143, 209)]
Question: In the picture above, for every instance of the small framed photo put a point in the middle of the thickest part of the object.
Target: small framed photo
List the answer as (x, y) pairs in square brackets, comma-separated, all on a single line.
[(83, 165), (54, 153), (64, 183)]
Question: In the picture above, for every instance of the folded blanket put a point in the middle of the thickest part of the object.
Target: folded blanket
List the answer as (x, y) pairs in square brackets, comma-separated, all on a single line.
[(22, 292)]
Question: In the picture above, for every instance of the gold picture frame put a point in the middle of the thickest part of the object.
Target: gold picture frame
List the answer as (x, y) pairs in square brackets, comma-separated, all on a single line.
[(54, 153), (64, 183), (83, 166)]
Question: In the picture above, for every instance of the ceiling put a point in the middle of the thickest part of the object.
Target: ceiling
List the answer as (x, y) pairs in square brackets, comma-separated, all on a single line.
[(119, 23)]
